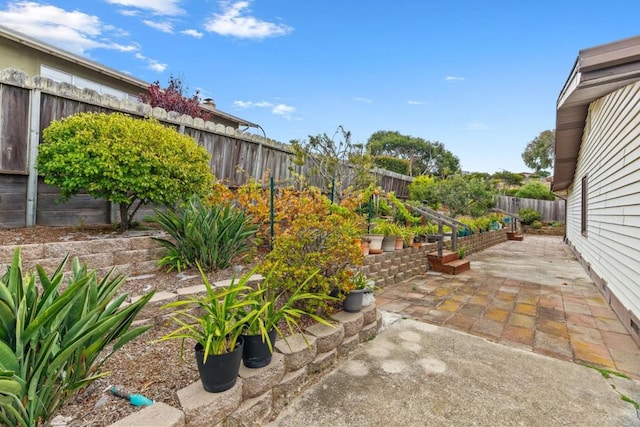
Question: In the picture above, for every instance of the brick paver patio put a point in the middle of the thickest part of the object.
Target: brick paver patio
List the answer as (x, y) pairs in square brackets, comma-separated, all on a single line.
[(568, 320)]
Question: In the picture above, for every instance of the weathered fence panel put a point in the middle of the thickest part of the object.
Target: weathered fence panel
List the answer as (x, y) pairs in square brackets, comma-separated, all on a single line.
[(14, 129), (13, 194), (236, 157), (550, 210)]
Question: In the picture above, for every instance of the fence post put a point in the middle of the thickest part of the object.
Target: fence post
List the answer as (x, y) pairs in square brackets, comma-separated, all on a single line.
[(271, 212), (34, 140)]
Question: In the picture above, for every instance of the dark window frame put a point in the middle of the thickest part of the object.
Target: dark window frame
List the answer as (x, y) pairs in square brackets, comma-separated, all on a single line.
[(584, 207)]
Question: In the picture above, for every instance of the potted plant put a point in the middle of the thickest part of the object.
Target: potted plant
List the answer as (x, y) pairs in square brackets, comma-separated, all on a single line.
[(269, 306), (365, 243), (212, 321), (390, 231), (353, 300), (375, 242)]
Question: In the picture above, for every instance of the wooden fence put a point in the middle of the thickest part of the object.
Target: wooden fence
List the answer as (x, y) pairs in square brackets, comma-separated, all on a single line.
[(29, 104), (550, 210)]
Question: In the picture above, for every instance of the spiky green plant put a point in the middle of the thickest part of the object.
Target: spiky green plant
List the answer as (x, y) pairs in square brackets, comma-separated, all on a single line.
[(53, 342), (211, 236), (270, 304), (215, 325)]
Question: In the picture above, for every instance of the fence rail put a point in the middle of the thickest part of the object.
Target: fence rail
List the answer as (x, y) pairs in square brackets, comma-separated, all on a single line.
[(29, 104)]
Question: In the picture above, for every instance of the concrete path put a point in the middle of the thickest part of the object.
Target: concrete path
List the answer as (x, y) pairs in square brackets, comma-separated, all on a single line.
[(533, 295), (417, 374), (511, 330)]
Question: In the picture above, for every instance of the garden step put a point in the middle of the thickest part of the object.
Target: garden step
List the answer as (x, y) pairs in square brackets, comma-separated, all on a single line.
[(447, 256), (515, 236), (454, 267)]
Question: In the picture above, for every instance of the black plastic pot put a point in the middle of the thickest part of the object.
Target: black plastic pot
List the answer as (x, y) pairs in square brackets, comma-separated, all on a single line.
[(220, 371), (353, 302), (256, 353)]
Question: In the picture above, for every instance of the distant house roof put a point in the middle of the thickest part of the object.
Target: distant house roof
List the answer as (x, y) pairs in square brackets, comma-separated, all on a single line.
[(97, 67), (597, 72)]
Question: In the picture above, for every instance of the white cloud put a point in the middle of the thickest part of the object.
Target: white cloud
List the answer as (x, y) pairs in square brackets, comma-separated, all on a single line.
[(478, 126), (454, 78), (74, 31), (414, 102), (361, 99), (235, 21), (165, 27), (193, 33), (282, 110), (129, 12), (156, 66), (157, 7)]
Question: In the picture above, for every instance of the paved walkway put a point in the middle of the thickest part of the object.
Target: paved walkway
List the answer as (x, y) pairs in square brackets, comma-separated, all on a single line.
[(533, 295)]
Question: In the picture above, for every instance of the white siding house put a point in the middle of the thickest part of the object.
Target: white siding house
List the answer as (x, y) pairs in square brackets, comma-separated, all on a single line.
[(598, 162)]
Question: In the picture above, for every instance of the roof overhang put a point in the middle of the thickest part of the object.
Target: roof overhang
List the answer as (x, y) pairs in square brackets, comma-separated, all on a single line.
[(25, 40), (597, 72)]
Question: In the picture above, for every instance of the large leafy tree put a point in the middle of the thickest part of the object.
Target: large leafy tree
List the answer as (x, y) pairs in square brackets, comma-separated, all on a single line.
[(423, 157), (125, 160), (174, 98), (539, 152)]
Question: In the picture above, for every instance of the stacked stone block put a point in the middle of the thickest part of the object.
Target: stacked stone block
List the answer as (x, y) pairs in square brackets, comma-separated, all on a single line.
[(260, 394), (394, 267)]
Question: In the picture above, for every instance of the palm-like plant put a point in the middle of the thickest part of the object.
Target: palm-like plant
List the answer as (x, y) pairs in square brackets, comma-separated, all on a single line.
[(216, 326), (50, 341), (269, 304)]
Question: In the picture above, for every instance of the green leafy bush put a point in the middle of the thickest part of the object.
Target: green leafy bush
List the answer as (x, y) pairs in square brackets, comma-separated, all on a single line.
[(211, 236), (535, 190), (313, 243), (529, 215), (53, 342), (536, 225), (125, 160)]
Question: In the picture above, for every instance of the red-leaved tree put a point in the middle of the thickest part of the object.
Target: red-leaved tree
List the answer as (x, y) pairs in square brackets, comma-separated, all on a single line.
[(172, 98)]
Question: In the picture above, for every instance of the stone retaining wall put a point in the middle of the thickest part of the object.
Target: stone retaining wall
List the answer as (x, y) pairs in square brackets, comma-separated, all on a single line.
[(481, 241), (394, 267), (129, 255), (260, 394)]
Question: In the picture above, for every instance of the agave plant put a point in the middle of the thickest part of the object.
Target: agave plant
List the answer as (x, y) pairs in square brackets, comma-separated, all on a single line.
[(211, 236), (52, 340)]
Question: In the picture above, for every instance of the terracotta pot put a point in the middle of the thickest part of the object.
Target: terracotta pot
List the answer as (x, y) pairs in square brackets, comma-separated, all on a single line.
[(365, 248), (399, 243)]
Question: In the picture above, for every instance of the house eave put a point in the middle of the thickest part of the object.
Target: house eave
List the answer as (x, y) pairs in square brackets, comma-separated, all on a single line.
[(597, 72)]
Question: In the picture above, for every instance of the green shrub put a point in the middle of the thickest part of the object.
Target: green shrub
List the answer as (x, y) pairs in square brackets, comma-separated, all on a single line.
[(125, 160), (536, 224), (211, 236), (313, 243), (528, 215), (535, 190), (52, 342)]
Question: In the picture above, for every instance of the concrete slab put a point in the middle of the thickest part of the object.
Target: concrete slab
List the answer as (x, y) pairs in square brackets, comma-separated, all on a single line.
[(417, 374)]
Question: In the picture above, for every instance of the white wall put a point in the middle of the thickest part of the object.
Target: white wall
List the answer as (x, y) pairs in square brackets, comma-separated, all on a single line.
[(610, 157)]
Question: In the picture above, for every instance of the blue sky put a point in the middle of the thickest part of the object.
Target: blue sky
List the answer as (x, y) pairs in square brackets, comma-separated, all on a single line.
[(482, 77)]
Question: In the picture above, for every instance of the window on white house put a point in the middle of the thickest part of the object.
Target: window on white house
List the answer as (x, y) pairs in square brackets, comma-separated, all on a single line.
[(584, 207)]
